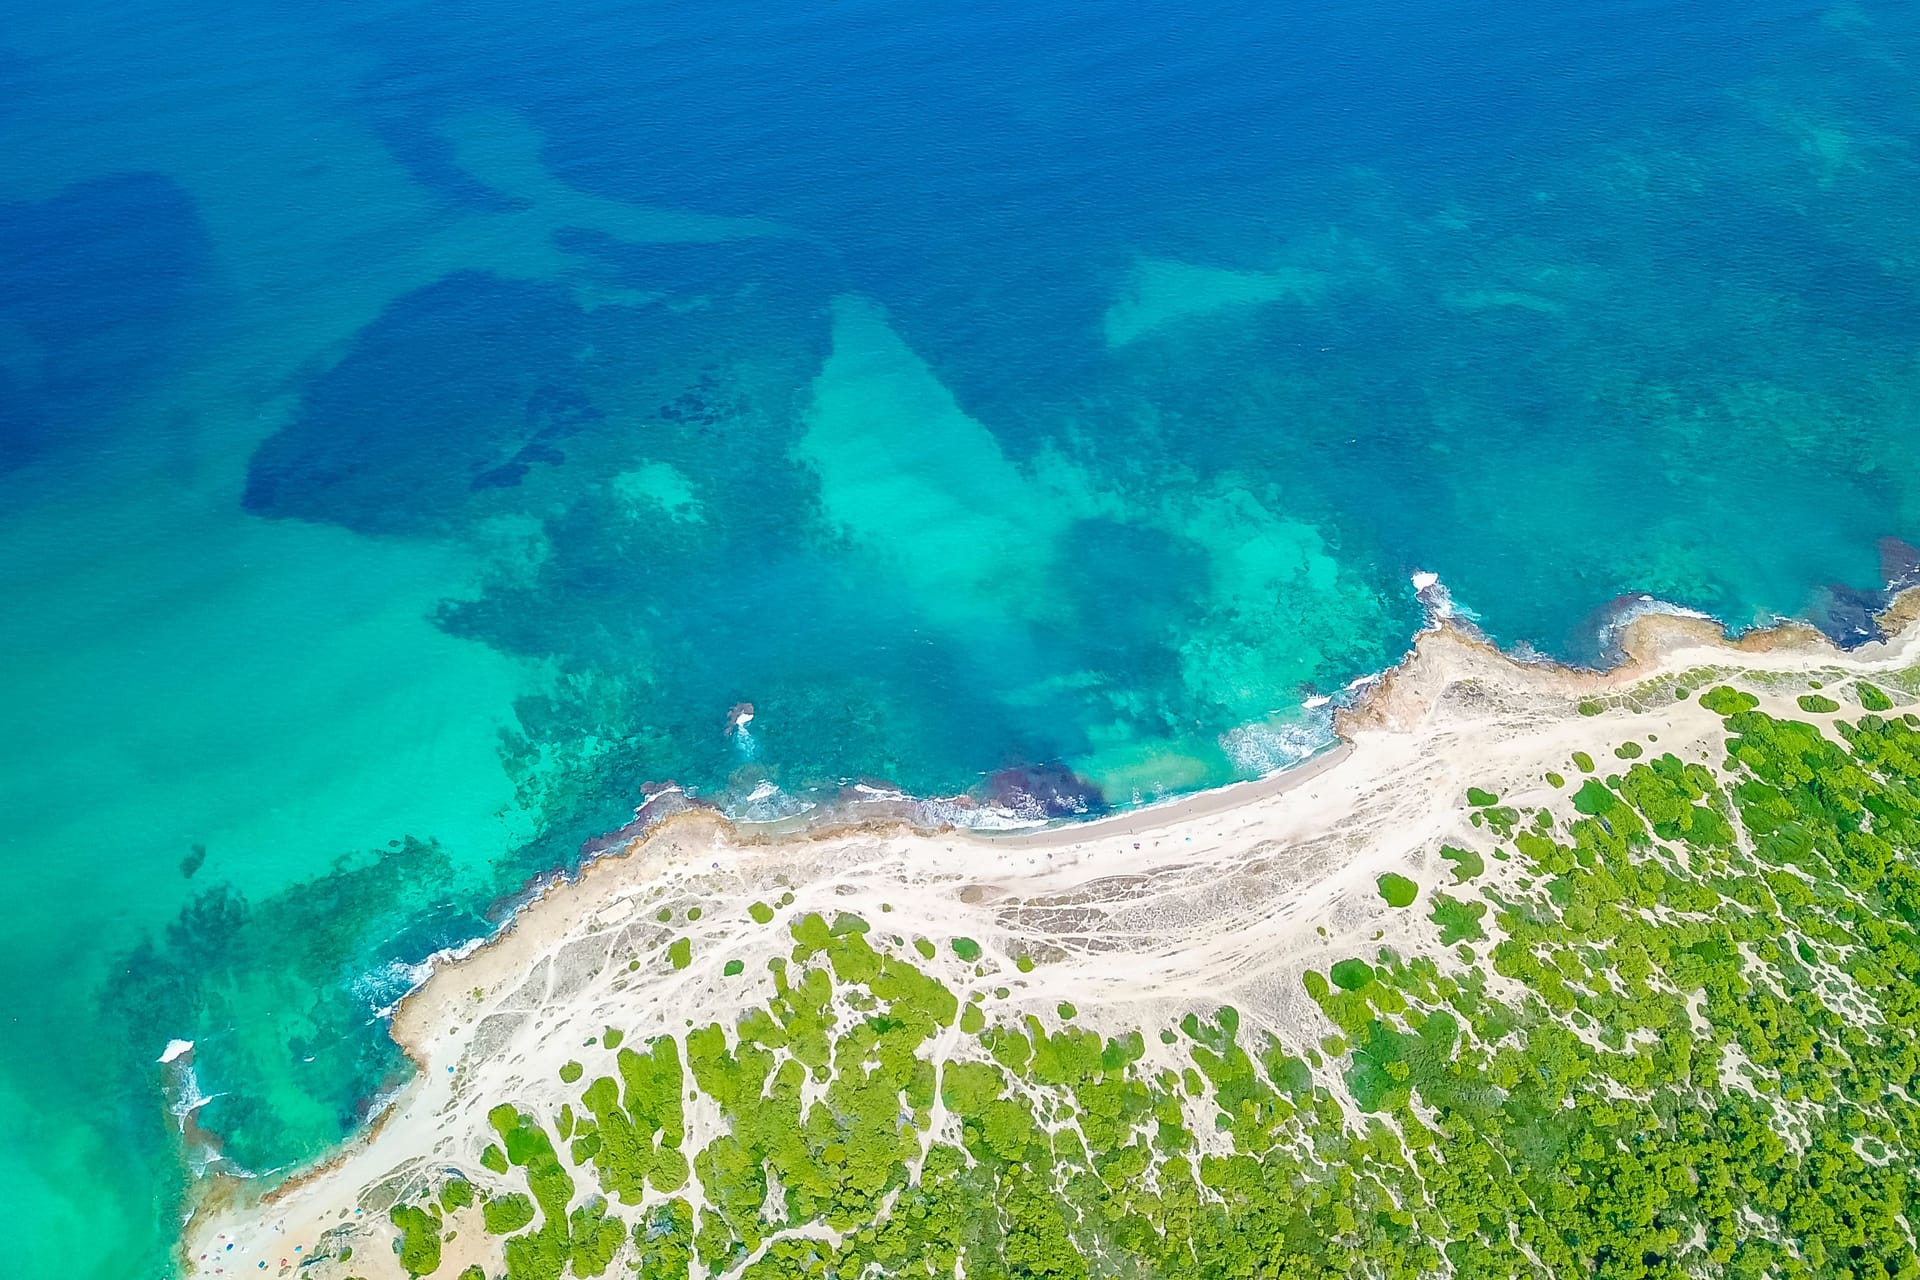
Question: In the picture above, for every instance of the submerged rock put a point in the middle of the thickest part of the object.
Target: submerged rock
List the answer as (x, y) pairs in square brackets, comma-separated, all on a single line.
[(1045, 791), (1899, 563), (1850, 617)]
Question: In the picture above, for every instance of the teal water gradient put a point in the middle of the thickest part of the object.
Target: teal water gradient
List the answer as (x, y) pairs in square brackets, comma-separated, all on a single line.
[(419, 428)]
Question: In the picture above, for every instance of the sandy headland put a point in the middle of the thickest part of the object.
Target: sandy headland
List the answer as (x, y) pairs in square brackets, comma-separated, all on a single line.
[(1130, 920)]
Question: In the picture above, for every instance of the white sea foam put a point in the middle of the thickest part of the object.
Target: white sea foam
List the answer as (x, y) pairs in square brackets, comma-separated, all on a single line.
[(382, 1102), (1523, 652), (766, 803), (185, 1096), (1433, 596), (1643, 605), (962, 812), (393, 982), (1439, 603), (1269, 746), (180, 1087)]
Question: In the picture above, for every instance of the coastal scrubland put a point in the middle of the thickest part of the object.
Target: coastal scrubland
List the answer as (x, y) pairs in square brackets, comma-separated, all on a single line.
[(1647, 1013)]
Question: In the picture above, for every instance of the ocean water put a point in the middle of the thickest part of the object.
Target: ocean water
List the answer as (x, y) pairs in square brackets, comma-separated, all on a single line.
[(421, 425)]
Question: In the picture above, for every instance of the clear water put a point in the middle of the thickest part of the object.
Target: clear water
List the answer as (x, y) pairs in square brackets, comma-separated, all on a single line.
[(419, 425)]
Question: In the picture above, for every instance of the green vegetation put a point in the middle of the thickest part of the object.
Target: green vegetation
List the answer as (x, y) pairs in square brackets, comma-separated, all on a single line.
[(1500, 819), (419, 1239), (1555, 780), (761, 913), (1817, 704), (733, 968), (1351, 974), (507, 1214), (594, 1236), (571, 1072), (1871, 696), (1459, 921), (1481, 799), (1629, 751), (1699, 1058), (1397, 889), (680, 953), (1467, 863), (1725, 700), (1583, 762)]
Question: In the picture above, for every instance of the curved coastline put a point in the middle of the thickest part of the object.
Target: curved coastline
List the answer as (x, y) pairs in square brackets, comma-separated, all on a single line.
[(1641, 642), (1444, 656)]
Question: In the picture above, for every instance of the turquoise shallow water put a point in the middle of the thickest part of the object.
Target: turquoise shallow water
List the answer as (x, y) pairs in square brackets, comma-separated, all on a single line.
[(419, 428)]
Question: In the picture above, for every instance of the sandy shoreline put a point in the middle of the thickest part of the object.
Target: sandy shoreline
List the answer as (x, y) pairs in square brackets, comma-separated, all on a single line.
[(1235, 889)]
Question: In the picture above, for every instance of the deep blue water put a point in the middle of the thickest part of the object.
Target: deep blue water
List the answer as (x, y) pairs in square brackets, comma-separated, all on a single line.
[(420, 424)]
